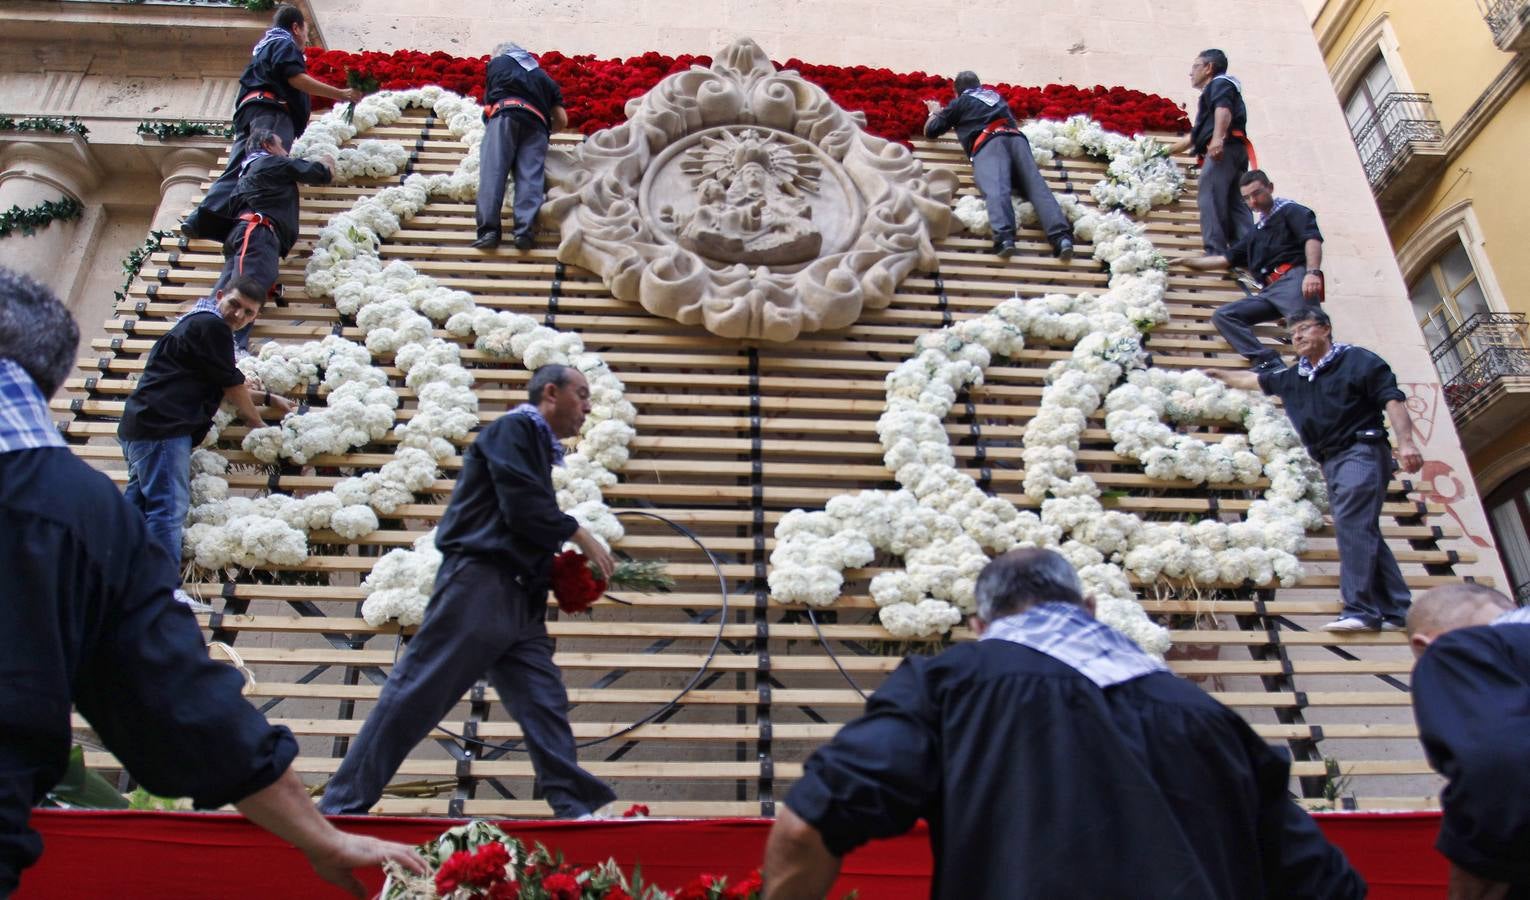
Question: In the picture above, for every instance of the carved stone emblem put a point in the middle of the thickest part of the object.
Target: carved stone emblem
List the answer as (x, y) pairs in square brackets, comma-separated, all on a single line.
[(743, 199)]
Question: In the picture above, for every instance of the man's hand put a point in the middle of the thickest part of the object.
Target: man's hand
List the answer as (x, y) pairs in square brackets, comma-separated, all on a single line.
[(1243, 381), (1466, 886), (334, 863), (1312, 286), (1214, 149), (1180, 146), (278, 402), (1409, 459), (933, 106), (351, 95), (591, 547)]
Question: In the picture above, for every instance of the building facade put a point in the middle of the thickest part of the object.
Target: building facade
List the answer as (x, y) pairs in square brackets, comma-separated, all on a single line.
[(1436, 100)]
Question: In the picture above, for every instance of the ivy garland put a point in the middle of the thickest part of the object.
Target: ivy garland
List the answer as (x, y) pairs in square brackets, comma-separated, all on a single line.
[(133, 262), (182, 128), (49, 124), (31, 220)]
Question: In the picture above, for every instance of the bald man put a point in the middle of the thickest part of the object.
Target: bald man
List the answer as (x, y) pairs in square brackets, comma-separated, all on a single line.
[(1471, 697)]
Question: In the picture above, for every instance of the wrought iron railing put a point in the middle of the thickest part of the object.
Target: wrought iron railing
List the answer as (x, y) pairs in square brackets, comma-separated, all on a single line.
[(1486, 347), (1504, 16), (1400, 121)]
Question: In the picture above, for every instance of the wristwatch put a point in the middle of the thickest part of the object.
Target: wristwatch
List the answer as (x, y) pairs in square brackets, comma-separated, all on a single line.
[(1317, 272)]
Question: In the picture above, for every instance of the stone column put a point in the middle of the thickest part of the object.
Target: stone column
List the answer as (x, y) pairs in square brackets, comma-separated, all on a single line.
[(184, 169), (40, 169)]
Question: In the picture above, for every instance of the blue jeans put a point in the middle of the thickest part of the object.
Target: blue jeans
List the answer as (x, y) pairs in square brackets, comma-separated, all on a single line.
[(159, 486)]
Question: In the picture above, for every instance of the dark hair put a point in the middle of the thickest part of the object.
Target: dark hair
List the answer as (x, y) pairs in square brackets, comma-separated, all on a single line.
[(36, 330), (552, 373), (250, 288), (1216, 59), (1021, 579), (1309, 314), (288, 17), (1253, 175), (966, 80), (259, 136)]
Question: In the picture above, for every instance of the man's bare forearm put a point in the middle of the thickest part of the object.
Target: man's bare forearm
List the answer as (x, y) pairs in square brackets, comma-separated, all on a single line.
[(1314, 251), (797, 864), (244, 403), (1221, 123)]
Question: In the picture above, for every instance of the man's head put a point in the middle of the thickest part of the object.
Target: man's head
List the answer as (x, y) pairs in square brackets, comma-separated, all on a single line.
[(1208, 65), (36, 331), (562, 395), (1311, 332), (1449, 607), (239, 302), (966, 81), (1257, 190), (1020, 579), (507, 47), (291, 19), (269, 141)]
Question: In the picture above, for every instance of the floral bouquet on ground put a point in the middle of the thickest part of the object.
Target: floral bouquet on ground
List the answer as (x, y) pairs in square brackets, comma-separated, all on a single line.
[(365, 82), (576, 585)]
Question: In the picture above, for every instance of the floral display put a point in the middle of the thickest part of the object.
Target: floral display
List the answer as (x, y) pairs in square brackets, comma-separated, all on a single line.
[(596, 91), (944, 526), (575, 585)]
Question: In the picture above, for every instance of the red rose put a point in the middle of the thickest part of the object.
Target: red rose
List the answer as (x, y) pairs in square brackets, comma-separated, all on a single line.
[(574, 585), (747, 889), (561, 887)]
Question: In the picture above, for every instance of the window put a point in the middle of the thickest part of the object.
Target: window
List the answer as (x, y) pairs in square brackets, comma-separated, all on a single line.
[(1509, 514), (1366, 102), (1445, 294)]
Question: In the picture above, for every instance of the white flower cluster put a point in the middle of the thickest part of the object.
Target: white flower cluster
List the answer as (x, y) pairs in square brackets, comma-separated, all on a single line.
[(359, 407), (400, 583)]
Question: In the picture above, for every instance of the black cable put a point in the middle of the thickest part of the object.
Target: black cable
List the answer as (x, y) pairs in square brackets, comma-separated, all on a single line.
[(833, 657), (722, 621)]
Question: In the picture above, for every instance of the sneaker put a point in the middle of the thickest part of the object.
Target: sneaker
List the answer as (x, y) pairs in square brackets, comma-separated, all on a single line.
[(1350, 623), (1393, 626), (192, 603), (1006, 249), (1269, 366), (1065, 249), (487, 241), (524, 241)]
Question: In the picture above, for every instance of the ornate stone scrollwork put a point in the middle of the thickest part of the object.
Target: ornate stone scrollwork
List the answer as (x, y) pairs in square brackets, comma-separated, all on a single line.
[(743, 199)]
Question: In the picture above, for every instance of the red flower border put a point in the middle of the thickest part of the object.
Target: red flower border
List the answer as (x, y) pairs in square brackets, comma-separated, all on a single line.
[(596, 91)]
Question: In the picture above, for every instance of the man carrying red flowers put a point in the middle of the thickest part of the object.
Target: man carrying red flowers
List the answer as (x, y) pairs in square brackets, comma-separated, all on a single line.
[(1001, 162), (522, 106), (487, 611)]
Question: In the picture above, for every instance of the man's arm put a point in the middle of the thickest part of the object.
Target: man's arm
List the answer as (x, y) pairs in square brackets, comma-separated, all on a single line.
[(1221, 121), (244, 402), (285, 809), (528, 506), (1408, 455), (1202, 263), (1240, 379), (938, 122), (1312, 282), (797, 864), (311, 85), (559, 119)]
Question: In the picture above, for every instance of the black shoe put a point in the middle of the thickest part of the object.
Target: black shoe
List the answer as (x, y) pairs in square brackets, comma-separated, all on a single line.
[(1006, 249), (1064, 250), (487, 241), (1269, 366), (524, 241)]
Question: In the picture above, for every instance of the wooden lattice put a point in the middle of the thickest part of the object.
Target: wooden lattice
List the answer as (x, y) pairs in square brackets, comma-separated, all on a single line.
[(730, 436)]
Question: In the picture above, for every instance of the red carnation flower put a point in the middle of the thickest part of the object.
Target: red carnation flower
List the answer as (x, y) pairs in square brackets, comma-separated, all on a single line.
[(574, 586), (747, 889), (635, 810), (561, 887), (473, 868)]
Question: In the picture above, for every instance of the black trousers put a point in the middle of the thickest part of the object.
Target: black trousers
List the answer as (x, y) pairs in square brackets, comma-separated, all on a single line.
[(253, 251), (214, 218), (479, 619), (511, 141), (1225, 217)]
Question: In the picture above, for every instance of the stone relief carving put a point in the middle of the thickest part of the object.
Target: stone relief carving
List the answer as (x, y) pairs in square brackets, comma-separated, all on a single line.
[(744, 200)]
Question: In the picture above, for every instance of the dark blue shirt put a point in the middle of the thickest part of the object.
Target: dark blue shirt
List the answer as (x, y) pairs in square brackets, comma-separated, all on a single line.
[(1038, 784), (969, 116), (505, 77), (269, 185), (269, 70), (504, 507), (1281, 239), (87, 617), (1348, 396), (1220, 93)]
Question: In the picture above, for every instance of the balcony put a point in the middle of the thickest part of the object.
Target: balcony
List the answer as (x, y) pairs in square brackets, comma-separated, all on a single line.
[(1485, 365), (1510, 22), (1402, 147)]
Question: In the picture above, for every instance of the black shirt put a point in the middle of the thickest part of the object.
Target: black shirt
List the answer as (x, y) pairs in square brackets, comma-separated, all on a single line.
[(268, 185), (1281, 239), (1036, 783), (1221, 92), (269, 70), (1348, 396), (86, 616), (969, 116), (505, 78), (1471, 696), (183, 381), (504, 506)]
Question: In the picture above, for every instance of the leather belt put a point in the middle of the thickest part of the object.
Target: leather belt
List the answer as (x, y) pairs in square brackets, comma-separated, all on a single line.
[(513, 103), (997, 126)]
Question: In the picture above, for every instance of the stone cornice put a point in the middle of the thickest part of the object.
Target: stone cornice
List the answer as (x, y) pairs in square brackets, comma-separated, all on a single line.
[(1486, 106), (147, 24), (1328, 33)]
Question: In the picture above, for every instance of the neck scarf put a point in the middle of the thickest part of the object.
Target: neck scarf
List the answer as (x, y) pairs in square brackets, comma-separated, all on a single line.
[(986, 96), (1084, 644), (1229, 79), (1310, 372), (522, 56), (554, 446), (1519, 616), (1261, 218)]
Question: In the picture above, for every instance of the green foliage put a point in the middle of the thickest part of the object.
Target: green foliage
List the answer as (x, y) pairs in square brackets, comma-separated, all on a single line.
[(142, 799), (133, 262), (81, 788), (49, 124), (35, 218), (183, 128)]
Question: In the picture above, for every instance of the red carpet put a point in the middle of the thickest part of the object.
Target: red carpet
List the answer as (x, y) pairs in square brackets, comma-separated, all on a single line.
[(144, 854)]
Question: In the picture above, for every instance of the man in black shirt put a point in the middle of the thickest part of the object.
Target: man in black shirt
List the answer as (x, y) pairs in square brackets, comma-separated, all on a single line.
[(1284, 253), (488, 609), (1335, 398), (1221, 142), (1471, 699), (1053, 758), (522, 106), (266, 202), (83, 621), (273, 96), (189, 373), (1001, 161)]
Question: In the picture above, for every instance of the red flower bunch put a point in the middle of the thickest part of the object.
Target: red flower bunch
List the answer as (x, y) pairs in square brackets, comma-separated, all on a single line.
[(561, 886), (574, 584), (596, 91), (635, 810), (716, 887), (483, 868)]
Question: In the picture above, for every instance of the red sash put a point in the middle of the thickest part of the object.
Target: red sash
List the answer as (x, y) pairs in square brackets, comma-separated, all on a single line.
[(256, 220), (997, 126), (513, 103)]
